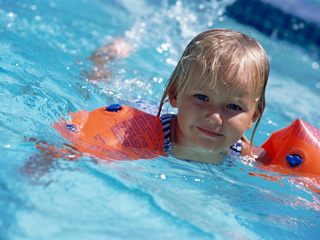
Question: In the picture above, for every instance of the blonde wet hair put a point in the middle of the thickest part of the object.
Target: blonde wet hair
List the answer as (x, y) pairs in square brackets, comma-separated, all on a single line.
[(222, 55)]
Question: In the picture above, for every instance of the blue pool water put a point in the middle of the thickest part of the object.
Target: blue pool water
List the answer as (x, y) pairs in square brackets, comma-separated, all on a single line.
[(45, 74)]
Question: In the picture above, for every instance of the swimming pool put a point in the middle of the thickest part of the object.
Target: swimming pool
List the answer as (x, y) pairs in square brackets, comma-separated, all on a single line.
[(45, 74)]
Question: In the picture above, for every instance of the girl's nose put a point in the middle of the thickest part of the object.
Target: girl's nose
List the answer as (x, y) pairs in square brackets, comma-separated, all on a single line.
[(214, 117)]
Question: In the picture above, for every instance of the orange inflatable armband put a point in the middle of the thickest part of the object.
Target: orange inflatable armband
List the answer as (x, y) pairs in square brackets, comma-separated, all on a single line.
[(295, 150), (115, 132)]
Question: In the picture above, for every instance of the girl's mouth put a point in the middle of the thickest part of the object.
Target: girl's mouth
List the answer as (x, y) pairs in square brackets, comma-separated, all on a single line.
[(209, 133)]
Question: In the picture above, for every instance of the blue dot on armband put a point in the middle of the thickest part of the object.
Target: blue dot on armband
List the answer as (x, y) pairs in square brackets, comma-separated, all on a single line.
[(113, 108)]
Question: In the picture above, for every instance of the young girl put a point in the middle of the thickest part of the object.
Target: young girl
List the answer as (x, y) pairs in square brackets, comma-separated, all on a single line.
[(218, 87)]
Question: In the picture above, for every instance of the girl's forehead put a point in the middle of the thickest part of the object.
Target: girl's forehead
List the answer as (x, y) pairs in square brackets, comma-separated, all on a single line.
[(240, 83), (239, 89)]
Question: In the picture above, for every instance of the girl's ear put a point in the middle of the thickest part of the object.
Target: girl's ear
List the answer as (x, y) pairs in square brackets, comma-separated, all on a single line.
[(253, 119), (173, 101)]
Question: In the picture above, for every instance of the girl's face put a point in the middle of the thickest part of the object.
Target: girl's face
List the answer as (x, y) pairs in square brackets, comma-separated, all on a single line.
[(213, 119)]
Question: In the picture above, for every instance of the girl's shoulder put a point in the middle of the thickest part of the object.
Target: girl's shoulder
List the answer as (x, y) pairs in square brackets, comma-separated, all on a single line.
[(259, 153)]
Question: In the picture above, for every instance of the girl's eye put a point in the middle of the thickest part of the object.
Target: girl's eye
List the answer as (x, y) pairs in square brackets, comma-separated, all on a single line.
[(234, 107), (202, 97)]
